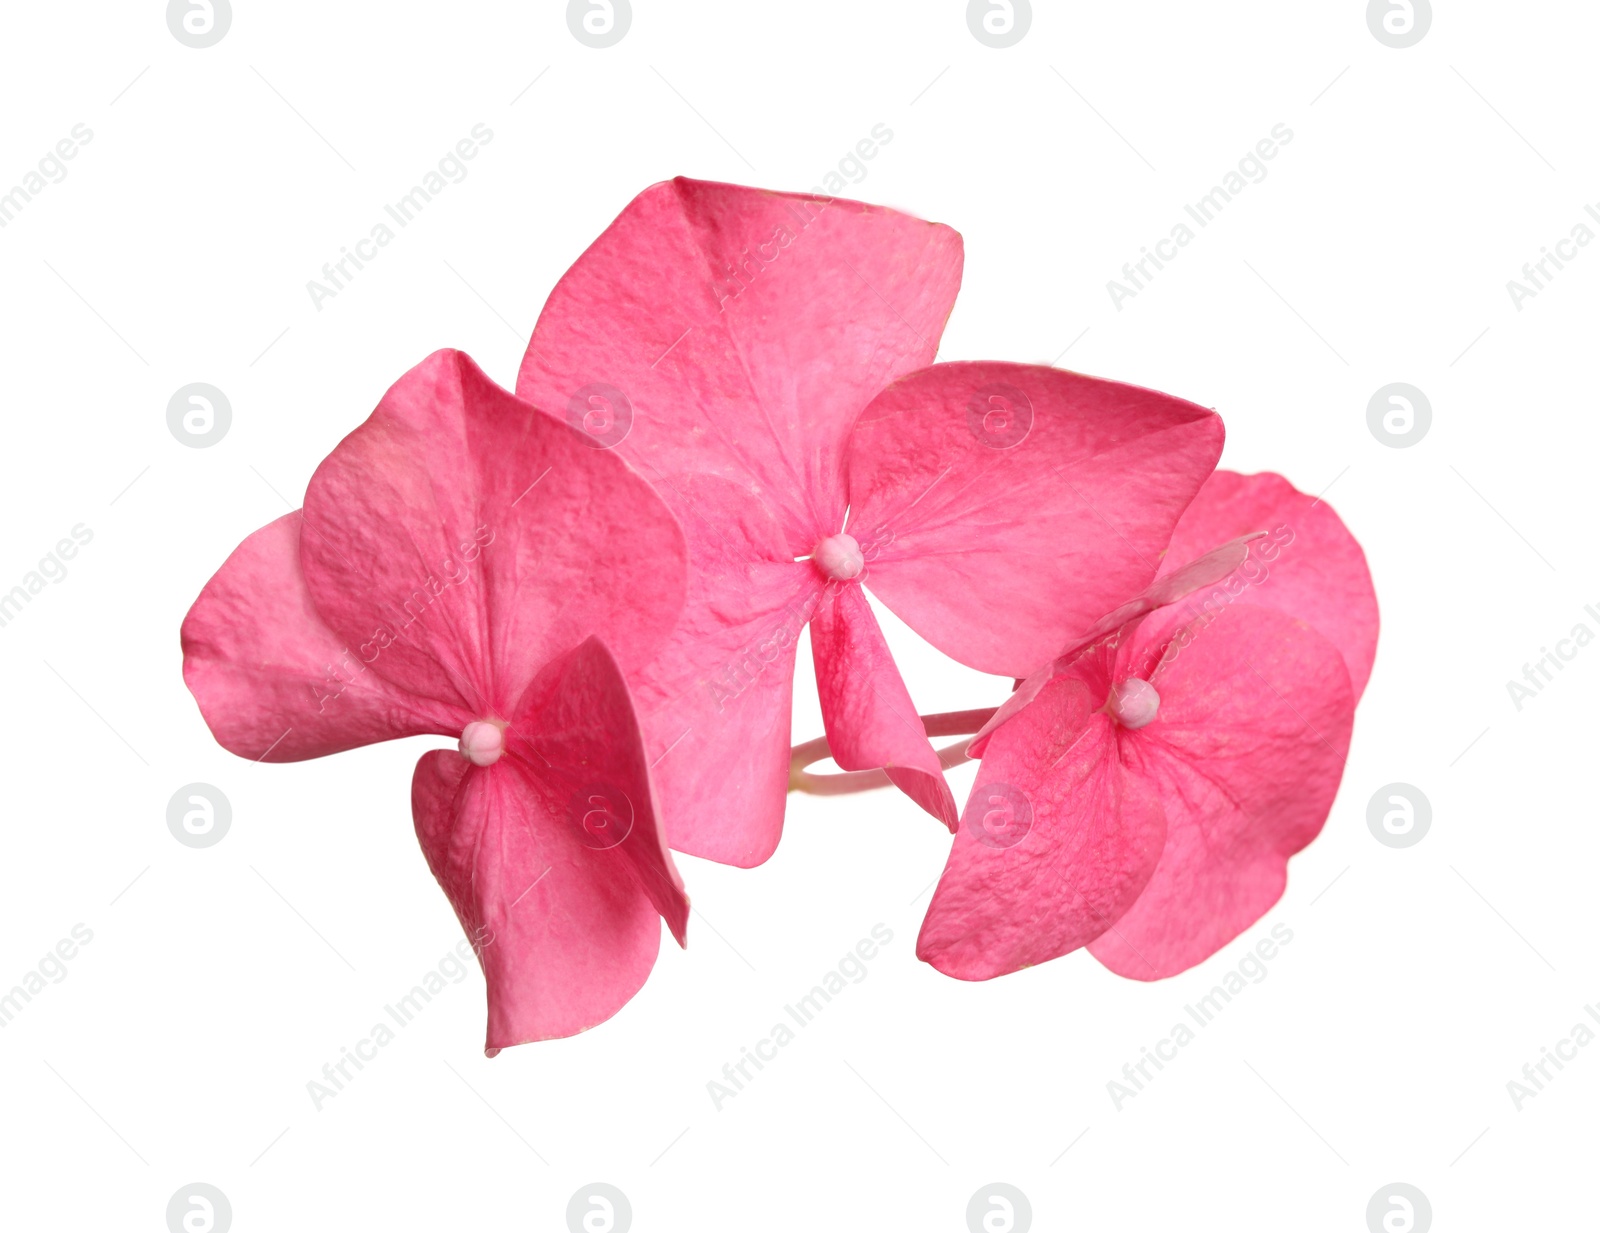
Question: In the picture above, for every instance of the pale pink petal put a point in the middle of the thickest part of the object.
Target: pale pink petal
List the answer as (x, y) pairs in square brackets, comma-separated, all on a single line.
[(553, 857), (1006, 507), (869, 717), (274, 683), (1247, 751), (739, 332), (1307, 565), (1169, 588), (463, 539), (1057, 840)]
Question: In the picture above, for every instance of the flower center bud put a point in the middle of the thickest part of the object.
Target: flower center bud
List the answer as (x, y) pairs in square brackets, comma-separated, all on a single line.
[(839, 557), (1133, 703), (482, 742)]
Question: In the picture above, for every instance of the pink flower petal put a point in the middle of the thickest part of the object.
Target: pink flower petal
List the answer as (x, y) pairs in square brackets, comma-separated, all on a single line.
[(1308, 565), (274, 683), (1214, 567), (1027, 689), (1058, 839), (716, 700), (1247, 751), (461, 539), (740, 332), (578, 729), (553, 857), (1169, 588), (723, 339), (1006, 507), (869, 717), (563, 937)]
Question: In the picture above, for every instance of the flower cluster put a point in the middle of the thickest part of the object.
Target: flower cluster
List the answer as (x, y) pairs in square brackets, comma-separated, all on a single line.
[(596, 585)]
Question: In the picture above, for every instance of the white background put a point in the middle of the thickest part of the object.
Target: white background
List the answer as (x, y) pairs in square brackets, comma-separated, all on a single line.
[(1419, 981)]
